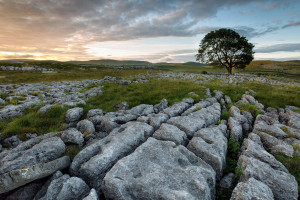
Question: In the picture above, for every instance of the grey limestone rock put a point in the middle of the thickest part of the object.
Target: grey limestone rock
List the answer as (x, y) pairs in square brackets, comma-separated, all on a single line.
[(160, 170), (74, 114), (156, 120), (45, 108), (73, 136), (94, 92), (31, 152), (236, 130), (227, 182), (19, 177), (171, 133), (210, 144), (85, 127), (197, 120), (12, 141), (92, 163), (176, 109), (228, 99), (160, 106), (121, 106), (218, 94), (73, 189), (143, 109), (92, 195), (252, 189), (283, 185), (276, 145), (11, 111)]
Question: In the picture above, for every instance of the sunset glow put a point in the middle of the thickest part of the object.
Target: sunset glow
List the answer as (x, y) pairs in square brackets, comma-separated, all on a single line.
[(155, 31)]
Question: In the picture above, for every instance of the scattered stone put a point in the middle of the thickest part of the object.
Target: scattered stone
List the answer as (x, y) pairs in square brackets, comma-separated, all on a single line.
[(73, 136), (160, 106), (11, 111), (121, 106), (85, 127), (12, 141), (74, 114)]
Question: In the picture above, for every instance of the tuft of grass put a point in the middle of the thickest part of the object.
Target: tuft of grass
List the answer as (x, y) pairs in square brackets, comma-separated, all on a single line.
[(32, 122), (225, 115), (232, 156), (72, 151), (292, 164), (249, 108), (287, 131)]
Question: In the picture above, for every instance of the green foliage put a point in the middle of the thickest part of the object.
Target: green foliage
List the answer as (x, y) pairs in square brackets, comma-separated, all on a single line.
[(151, 92), (223, 195), (33, 122), (287, 131), (232, 156), (90, 86), (292, 164), (254, 110), (225, 115), (204, 72), (72, 150), (225, 48)]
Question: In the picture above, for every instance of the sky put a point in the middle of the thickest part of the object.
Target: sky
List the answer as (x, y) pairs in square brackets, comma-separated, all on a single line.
[(150, 30)]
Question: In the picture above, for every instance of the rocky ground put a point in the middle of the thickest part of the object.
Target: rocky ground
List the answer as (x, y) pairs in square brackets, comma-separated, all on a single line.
[(157, 151)]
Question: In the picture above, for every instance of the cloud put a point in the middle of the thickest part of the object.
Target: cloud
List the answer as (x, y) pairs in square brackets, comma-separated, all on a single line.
[(291, 47), (291, 24), (64, 27)]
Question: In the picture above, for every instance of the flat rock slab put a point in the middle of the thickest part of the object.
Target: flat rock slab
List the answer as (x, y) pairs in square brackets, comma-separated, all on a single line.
[(283, 185), (197, 120), (210, 144), (20, 177), (169, 132), (92, 163), (31, 152), (160, 170), (176, 109), (252, 189)]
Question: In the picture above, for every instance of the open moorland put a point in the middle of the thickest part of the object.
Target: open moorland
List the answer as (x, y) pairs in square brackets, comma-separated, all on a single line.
[(111, 128)]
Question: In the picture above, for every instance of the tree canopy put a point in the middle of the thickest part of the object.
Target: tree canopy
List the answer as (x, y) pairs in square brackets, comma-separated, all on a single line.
[(225, 48)]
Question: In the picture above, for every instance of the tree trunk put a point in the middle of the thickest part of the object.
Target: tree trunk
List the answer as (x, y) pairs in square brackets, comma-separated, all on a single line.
[(229, 70)]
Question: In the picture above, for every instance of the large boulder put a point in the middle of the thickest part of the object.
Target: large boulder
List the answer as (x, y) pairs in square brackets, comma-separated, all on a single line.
[(252, 189), (92, 163), (160, 170)]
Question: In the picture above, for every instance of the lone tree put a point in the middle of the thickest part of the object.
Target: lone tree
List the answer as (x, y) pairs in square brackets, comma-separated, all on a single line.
[(225, 48)]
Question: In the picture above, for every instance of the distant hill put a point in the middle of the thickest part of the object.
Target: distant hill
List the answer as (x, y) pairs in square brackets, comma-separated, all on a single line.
[(111, 62)]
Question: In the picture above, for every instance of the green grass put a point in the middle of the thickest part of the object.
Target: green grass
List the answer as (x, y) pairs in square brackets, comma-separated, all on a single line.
[(151, 92), (268, 95), (72, 150), (292, 164), (33, 122), (225, 115), (17, 77)]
